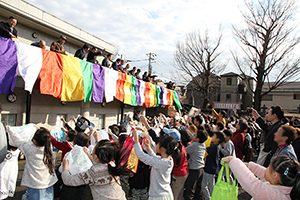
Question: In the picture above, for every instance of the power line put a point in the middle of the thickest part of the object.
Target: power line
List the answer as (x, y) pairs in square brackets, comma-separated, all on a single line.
[(137, 60)]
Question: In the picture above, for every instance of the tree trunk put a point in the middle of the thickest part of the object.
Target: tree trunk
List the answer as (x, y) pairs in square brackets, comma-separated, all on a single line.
[(257, 102), (257, 95), (205, 102)]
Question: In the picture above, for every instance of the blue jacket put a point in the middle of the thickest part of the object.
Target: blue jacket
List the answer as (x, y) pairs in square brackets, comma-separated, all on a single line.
[(286, 150)]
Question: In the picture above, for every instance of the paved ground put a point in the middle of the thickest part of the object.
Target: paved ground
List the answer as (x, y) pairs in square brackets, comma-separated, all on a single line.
[(21, 190)]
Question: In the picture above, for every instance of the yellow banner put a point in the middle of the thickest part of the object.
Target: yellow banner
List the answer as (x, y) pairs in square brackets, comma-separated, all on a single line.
[(127, 90), (72, 87)]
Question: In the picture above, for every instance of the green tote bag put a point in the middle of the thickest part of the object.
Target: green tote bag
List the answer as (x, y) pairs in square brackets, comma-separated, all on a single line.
[(224, 190)]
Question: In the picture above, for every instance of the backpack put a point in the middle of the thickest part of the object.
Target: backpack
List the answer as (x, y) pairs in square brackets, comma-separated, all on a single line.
[(246, 145)]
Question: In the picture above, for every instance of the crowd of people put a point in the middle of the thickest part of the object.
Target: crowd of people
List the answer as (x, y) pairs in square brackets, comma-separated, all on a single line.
[(8, 30), (179, 157)]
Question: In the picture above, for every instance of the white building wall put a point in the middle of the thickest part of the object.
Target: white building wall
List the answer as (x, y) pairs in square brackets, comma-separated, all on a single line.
[(286, 100)]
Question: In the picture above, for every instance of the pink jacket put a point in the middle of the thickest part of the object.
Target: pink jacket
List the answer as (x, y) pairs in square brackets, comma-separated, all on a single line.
[(258, 189)]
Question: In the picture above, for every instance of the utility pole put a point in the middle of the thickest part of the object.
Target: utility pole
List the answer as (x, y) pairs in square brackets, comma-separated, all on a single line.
[(151, 57)]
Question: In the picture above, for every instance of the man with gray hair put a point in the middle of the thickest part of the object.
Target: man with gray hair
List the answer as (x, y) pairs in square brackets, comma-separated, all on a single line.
[(41, 44)]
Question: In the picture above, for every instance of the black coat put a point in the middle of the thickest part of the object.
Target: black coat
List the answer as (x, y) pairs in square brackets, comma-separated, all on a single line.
[(5, 30), (92, 57), (270, 145), (80, 53), (115, 66), (105, 62)]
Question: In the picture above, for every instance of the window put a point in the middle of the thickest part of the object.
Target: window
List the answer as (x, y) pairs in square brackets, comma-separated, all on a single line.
[(228, 97), (296, 96), (101, 121), (268, 97), (9, 119), (229, 81)]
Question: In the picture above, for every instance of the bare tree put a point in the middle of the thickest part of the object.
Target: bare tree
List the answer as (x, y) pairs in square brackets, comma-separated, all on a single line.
[(267, 43), (197, 59)]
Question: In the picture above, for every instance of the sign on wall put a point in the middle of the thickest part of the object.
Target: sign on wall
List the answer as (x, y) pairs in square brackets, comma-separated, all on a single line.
[(226, 105)]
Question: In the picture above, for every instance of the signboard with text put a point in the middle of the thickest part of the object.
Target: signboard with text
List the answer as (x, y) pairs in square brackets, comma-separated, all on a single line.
[(227, 105)]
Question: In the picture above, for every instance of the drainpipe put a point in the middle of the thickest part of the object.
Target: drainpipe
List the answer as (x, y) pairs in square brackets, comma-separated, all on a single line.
[(122, 111), (28, 107)]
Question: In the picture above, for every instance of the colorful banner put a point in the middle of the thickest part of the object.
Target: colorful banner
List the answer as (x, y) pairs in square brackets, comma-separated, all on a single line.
[(72, 89), (134, 90), (30, 60), (111, 78), (177, 99), (87, 76), (8, 65), (147, 93), (51, 74), (152, 95), (142, 93), (72, 79), (157, 94), (120, 86), (99, 83), (127, 90)]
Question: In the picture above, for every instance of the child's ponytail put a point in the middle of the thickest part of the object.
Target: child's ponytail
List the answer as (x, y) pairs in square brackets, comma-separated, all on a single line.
[(288, 169), (48, 157), (42, 137), (177, 154)]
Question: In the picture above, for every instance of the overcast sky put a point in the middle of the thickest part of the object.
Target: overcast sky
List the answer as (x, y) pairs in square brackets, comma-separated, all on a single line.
[(137, 27)]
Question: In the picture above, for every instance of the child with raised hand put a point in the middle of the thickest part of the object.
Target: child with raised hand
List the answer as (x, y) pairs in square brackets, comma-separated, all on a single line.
[(180, 169), (162, 166), (196, 151), (282, 176), (103, 176), (74, 193), (65, 147), (38, 174), (211, 164)]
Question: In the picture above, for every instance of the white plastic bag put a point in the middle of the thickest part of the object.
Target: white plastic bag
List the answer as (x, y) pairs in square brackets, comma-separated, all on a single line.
[(26, 132), (78, 160), (102, 135)]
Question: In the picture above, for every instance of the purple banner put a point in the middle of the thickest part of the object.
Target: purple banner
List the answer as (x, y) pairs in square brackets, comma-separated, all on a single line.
[(8, 65), (178, 94), (138, 95), (161, 96), (98, 82)]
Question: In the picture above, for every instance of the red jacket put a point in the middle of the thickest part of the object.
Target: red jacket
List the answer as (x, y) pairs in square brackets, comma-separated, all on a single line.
[(238, 140), (182, 168), (65, 147)]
